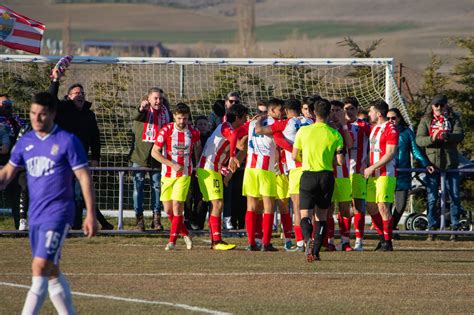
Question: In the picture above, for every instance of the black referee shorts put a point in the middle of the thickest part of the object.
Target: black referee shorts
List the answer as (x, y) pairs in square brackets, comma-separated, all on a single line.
[(316, 189)]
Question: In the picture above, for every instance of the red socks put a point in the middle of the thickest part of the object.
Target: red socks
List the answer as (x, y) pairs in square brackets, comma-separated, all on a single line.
[(359, 224), (182, 229), (250, 227), (387, 229), (298, 233), (215, 228), (330, 226), (286, 224), (267, 228), (176, 223), (258, 225), (377, 221)]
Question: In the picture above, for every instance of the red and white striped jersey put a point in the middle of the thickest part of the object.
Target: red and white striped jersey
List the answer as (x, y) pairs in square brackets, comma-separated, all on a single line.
[(217, 148), (341, 171), (289, 127), (280, 165), (360, 132), (177, 146), (261, 149), (381, 136)]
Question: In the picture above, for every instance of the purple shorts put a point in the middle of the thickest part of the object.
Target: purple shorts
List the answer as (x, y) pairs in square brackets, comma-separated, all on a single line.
[(47, 239)]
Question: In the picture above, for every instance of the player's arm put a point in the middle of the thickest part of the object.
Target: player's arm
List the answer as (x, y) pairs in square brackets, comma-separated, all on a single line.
[(156, 154), (281, 141), (346, 135), (261, 129), (389, 155), (297, 146), (85, 180), (7, 174)]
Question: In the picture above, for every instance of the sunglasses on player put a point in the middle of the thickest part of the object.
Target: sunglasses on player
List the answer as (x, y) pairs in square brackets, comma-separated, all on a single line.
[(393, 118), (438, 105)]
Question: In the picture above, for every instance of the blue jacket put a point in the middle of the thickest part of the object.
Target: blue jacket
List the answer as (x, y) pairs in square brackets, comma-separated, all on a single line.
[(407, 145)]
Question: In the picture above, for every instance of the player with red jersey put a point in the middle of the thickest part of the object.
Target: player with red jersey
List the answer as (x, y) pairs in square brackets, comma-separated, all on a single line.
[(287, 128), (174, 146), (381, 173), (357, 154), (342, 194), (218, 149), (260, 178)]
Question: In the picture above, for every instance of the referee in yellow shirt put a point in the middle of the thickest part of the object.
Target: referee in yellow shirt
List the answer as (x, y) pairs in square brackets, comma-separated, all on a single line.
[(316, 145)]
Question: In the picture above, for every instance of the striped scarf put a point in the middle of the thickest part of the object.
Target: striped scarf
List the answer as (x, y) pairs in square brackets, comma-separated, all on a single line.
[(155, 119)]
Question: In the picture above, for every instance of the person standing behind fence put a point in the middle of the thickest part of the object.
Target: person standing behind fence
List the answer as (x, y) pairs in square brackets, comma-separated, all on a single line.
[(152, 114), (74, 115), (13, 124), (406, 148), (174, 146), (439, 133)]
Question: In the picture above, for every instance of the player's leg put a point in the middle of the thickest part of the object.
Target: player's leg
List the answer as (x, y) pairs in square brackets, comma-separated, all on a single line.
[(324, 182), (359, 194), (329, 240), (345, 222), (178, 195), (385, 196), (268, 191), (166, 199), (46, 244), (250, 222), (373, 210), (250, 189), (294, 189), (282, 204)]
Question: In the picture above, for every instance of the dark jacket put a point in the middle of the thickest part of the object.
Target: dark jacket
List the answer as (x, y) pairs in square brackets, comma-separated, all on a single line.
[(81, 123), (141, 150), (442, 154)]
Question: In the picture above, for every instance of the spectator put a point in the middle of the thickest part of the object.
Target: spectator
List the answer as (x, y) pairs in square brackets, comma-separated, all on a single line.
[(363, 115), (23, 185), (13, 124), (152, 114), (196, 209), (439, 133), (74, 115), (231, 99), (406, 147), (217, 114)]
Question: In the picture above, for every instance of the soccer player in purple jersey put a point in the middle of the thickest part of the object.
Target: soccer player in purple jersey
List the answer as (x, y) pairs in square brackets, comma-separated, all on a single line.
[(51, 157)]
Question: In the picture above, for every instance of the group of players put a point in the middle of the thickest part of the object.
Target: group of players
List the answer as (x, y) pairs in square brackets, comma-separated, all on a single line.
[(362, 165), (322, 159)]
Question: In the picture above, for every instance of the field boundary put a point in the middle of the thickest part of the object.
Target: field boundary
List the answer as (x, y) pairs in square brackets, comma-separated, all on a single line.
[(122, 299)]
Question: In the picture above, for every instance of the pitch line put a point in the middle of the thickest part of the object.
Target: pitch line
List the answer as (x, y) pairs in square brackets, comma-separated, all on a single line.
[(251, 274), (117, 298)]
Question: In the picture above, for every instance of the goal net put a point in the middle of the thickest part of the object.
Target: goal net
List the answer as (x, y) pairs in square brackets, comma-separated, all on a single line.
[(115, 86)]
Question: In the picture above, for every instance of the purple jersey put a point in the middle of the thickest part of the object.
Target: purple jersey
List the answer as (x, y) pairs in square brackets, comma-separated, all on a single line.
[(49, 164)]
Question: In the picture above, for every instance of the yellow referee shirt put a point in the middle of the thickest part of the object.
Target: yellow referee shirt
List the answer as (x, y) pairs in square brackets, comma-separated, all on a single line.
[(318, 144)]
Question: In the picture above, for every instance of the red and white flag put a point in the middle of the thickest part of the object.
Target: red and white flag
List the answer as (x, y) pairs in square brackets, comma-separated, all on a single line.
[(20, 32)]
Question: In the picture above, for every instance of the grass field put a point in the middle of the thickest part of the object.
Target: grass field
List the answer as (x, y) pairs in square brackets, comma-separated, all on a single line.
[(274, 32), (135, 275)]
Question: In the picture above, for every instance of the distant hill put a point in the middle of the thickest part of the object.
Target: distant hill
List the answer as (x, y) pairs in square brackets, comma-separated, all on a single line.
[(182, 4)]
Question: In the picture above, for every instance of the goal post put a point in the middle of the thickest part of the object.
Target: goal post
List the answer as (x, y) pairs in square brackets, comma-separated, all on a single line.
[(115, 86)]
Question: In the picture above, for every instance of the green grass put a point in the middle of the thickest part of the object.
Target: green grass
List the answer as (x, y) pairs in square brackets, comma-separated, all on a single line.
[(418, 277), (274, 32)]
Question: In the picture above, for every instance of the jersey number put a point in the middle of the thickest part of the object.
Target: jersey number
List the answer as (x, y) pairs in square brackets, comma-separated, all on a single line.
[(52, 240)]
